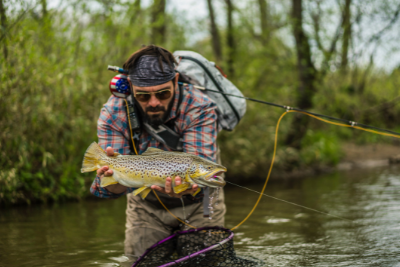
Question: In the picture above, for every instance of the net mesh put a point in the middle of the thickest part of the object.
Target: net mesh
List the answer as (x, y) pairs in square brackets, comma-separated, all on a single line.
[(208, 246)]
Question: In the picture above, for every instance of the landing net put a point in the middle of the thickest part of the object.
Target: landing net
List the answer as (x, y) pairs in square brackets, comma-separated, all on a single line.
[(207, 246)]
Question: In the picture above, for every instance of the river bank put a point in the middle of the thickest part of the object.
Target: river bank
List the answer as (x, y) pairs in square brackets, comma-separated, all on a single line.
[(367, 156), (354, 157)]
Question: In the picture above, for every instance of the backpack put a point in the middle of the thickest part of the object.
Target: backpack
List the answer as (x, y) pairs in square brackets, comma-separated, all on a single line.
[(197, 70)]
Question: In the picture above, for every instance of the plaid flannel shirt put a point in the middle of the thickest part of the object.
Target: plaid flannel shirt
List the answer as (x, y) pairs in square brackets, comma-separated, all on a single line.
[(195, 121)]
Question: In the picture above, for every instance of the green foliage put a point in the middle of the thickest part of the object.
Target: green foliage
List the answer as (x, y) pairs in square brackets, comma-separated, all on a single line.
[(52, 87), (373, 101), (320, 147), (54, 82)]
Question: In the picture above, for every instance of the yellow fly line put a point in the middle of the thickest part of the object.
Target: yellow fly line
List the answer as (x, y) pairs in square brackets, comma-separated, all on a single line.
[(173, 215), (272, 161)]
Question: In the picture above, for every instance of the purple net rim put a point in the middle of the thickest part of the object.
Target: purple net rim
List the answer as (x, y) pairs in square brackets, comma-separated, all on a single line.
[(193, 255)]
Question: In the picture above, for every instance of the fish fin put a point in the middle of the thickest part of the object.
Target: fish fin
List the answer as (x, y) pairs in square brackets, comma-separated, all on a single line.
[(187, 177), (139, 190), (195, 193), (145, 192), (107, 180), (91, 158), (152, 151), (180, 188)]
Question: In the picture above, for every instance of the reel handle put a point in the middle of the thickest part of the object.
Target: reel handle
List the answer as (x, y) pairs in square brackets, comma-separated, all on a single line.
[(117, 69)]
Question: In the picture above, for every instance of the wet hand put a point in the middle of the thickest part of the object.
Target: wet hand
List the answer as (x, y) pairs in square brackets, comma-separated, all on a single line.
[(106, 171), (169, 191)]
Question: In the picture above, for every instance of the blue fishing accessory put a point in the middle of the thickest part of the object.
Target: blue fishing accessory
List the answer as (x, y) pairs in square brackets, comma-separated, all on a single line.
[(117, 69)]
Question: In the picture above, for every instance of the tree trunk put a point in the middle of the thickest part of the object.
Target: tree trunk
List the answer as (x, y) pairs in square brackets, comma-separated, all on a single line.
[(136, 8), (230, 39), (307, 77), (137, 5), (262, 4), (3, 24), (44, 8), (216, 40), (346, 26), (158, 22)]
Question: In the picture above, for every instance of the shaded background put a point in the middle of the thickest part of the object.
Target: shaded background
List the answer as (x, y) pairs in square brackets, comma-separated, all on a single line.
[(339, 58)]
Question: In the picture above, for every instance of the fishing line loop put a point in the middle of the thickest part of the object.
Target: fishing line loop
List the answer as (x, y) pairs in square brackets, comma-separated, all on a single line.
[(273, 160), (288, 109)]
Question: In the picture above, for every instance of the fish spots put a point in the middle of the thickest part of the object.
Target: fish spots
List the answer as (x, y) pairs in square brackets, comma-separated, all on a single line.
[(160, 165)]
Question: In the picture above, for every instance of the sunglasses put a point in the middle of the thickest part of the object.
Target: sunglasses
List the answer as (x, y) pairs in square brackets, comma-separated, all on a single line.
[(145, 96)]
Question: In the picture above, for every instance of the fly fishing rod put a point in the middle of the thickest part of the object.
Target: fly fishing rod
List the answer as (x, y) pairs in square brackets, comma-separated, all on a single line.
[(288, 108)]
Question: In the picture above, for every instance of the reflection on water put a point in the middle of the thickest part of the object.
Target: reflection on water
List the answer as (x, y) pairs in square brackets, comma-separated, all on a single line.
[(92, 233), (370, 198)]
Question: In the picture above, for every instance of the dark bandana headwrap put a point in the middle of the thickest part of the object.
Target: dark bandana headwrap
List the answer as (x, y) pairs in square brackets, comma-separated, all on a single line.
[(147, 72)]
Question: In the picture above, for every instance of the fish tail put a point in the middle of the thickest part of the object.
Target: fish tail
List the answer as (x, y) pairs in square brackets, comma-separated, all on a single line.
[(92, 157)]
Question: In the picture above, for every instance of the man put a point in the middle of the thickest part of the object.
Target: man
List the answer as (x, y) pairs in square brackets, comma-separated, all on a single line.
[(154, 84)]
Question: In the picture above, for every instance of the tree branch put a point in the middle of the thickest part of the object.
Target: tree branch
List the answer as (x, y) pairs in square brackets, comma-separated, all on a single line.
[(377, 36), (20, 17), (216, 40), (316, 22)]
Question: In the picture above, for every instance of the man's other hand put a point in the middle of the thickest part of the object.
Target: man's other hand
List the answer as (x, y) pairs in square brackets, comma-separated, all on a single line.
[(169, 191), (106, 171)]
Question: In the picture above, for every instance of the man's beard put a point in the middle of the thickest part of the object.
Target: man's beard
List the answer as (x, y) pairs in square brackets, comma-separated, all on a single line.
[(156, 120)]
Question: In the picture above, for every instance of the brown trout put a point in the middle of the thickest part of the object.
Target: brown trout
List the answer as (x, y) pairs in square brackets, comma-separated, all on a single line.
[(152, 168)]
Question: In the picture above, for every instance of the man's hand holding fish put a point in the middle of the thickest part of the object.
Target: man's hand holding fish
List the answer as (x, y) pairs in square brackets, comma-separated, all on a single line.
[(118, 188)]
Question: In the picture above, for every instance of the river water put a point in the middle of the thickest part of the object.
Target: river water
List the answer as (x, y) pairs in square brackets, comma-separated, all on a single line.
[(91, 233)]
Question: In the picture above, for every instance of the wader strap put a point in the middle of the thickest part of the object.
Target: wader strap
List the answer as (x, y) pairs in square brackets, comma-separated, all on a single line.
[(166, 136), (206, 202), (180, 98)]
